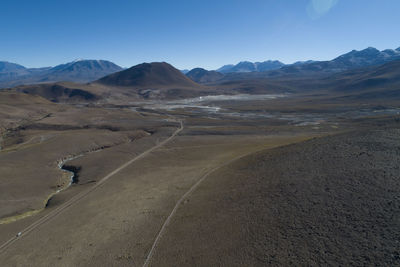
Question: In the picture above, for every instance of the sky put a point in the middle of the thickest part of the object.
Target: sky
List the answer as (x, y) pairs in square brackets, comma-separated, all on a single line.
[(193, 33)]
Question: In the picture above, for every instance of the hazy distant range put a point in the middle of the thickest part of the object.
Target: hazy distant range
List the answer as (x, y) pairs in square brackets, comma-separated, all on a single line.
[(82, 71)]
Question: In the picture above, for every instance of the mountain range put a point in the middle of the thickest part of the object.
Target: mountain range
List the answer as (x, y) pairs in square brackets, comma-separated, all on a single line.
[(83, 71), (351, 60), (12, 74), (146, 80), (354, 59), (246, 66), (248, 70), (160, 80)]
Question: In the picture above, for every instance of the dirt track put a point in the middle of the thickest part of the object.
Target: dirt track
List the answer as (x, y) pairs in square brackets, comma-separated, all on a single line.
[(179, 203), (80, 196), (116, 224)]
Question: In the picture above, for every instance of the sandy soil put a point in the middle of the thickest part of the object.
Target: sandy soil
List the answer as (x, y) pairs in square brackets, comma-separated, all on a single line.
[(36, 135), (117, 223), (328, 201)]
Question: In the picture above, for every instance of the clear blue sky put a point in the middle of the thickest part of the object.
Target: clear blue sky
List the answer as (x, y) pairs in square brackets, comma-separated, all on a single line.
[(191, 33)]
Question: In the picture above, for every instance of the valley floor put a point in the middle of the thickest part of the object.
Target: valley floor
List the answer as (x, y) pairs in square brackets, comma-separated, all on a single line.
[(117, 223), (223, 191)]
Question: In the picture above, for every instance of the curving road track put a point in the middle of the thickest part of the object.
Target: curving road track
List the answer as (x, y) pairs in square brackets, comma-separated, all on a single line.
[(180, 201), (81, 195)]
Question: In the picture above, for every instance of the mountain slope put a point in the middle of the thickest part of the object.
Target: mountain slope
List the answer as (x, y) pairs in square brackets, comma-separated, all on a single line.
[(200, 75), (10, 67), (367, 57), (226, 68), (12, 74), (57, 92), (10, 70), (382, 82), (81, 71), (156, 74), (373, 84), (351, 60)]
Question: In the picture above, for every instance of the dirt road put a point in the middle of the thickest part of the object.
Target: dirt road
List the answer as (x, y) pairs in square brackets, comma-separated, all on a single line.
[(180, 201), (80, 196)]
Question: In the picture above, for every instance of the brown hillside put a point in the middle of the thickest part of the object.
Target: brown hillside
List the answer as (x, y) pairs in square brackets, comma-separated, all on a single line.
[(157, 74), (57, 92)]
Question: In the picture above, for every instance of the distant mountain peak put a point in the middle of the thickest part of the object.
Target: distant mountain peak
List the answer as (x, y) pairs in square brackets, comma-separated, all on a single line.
[(360, 53), (80, 70), (303, 62), (6, 66), (224, 68), (88, 61), (201, 75), (247, 66), (83, 70), (198, 70), (370, 48), (245, 62), (184, 71)]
